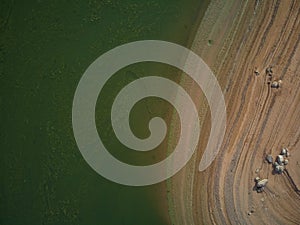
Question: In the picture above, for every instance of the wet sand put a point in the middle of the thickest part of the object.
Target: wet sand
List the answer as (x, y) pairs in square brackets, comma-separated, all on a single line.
[(260, 120)]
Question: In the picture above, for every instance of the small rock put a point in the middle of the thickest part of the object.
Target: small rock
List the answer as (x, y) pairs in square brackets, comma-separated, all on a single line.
[(276, 84), (269, 159), (257, 171), (262, 183), (279, 169), (284, 151), (260, 190), (269, 70), (286, 162), (280, 159)]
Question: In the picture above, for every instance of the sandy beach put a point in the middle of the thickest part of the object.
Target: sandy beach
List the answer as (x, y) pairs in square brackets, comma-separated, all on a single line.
[(235, 39)]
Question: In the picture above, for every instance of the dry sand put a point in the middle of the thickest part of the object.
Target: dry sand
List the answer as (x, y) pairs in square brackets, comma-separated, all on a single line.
[(260, 120)]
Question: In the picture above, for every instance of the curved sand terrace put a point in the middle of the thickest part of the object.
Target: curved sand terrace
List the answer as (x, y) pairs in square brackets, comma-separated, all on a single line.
[(260, 119)]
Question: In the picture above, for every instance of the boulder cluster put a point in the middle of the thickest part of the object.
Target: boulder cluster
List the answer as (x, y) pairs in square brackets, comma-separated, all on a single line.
[(280, 162), (279, 165), (274, 83)]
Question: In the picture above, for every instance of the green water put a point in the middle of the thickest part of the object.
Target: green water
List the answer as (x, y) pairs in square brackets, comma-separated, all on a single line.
[(45, 46)]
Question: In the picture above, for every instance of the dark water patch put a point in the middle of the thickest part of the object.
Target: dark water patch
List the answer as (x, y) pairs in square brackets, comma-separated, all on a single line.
[(45, 46)]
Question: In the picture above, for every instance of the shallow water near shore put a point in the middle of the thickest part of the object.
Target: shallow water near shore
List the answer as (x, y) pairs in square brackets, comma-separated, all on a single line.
[(45, 48)]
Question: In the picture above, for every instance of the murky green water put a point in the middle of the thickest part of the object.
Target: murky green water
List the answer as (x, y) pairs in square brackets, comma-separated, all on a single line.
[(45, 48)]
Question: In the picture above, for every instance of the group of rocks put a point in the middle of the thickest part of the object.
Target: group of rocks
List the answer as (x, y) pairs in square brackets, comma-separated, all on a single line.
[(274, 83), (278, 165), (269, 71), (280, 162)]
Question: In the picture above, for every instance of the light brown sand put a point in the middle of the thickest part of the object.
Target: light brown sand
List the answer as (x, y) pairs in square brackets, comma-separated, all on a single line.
[(260, 120)]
